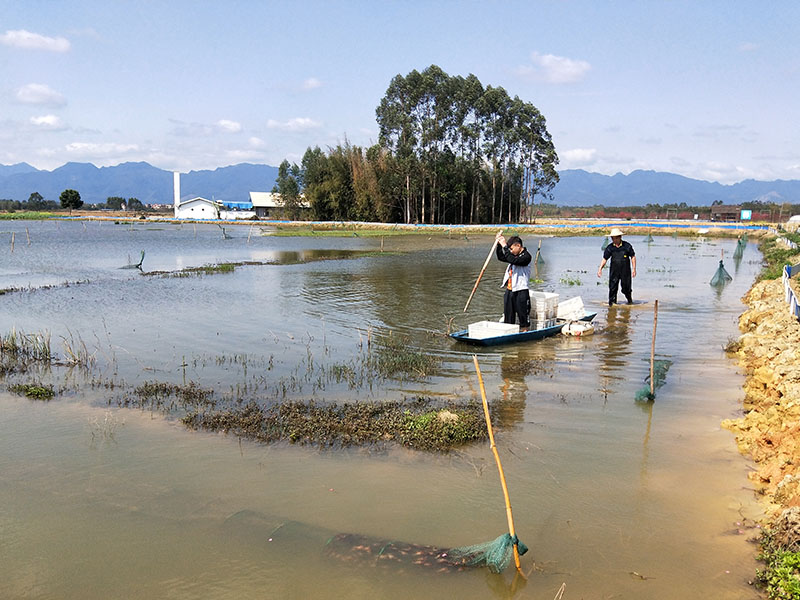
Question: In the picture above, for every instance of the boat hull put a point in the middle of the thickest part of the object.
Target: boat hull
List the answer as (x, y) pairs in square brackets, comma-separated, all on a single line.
[(513, 338)]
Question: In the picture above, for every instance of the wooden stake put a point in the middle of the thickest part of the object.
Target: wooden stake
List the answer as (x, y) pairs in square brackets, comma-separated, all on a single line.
[(538, 252), (485, 264), (509, 516), (653, 350), (29, 236), (12, 242)]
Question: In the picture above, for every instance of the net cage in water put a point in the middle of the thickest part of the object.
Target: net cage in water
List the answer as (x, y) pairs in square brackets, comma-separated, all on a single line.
[(604, 244), (660, 368), (648, 239), (721, 277), (740, 246)]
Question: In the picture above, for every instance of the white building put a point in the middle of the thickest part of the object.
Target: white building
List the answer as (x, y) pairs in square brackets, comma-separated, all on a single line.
[(198, 208), (267, 204)]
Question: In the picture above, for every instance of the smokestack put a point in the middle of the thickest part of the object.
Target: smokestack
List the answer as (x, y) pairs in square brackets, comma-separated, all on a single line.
[(176, 191)]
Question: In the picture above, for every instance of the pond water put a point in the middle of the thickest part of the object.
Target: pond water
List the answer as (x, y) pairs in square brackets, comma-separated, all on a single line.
[(615, 499)]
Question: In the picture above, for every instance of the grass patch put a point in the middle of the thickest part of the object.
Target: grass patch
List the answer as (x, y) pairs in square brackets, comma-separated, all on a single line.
[(34, 391), (418, 423), (780, 578), (776, 255), (394, 357), (21, 346), (26, 216)]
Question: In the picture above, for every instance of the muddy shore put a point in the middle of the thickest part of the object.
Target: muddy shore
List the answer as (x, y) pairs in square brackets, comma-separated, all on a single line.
[(769, 431)]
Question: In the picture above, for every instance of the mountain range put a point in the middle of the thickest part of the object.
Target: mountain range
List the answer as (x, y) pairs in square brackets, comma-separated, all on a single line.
[(576, 187)]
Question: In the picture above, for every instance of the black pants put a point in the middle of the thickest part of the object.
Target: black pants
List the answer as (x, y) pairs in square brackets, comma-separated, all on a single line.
[(517, 304), (615, 277)]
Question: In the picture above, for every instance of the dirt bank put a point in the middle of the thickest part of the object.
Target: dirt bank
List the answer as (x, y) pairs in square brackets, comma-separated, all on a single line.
[(769, 432)]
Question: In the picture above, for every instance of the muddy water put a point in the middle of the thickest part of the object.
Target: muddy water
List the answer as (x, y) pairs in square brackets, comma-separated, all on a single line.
[(615, 499)]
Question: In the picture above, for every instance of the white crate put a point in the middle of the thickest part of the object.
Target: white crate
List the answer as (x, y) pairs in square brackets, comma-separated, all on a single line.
[(487, 329), (572, 309), (544, 305), (542, 323)]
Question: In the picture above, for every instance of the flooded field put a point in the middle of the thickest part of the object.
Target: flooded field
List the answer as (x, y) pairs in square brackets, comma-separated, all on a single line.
[(616, 499)]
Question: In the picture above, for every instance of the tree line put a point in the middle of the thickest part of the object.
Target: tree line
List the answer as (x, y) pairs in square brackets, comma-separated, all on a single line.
[(70, 199), (450, 151)]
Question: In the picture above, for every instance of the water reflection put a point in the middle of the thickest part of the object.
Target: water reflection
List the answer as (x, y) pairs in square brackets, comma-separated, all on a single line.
[(615, 347)]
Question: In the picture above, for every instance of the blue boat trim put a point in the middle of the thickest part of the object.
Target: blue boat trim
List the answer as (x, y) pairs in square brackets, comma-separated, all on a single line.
[(511, 338)]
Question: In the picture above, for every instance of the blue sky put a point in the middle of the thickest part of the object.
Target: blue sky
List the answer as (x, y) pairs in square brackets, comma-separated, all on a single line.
[(706, 89)]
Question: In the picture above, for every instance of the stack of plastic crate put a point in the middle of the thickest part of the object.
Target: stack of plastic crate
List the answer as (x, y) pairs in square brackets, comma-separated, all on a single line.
[(544, 307)]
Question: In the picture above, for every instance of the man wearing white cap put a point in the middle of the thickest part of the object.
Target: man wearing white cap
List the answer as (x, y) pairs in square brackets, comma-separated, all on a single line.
[(623, 266)]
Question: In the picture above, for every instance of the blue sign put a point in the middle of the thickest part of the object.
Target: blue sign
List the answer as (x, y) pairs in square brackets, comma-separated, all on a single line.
[(747, 215)]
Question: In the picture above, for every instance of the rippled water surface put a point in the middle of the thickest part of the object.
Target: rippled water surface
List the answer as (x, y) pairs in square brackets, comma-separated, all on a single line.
[(615, 499)]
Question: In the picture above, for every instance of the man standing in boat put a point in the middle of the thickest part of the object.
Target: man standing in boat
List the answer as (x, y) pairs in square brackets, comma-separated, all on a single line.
[(517, 301), (623, 267)]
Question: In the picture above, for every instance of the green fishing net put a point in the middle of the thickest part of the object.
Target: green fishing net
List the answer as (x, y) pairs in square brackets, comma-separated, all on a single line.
[(605, 243), (496, 555), (740, 246), (674, 235), (660, 368), (721, 277), (648, 239)]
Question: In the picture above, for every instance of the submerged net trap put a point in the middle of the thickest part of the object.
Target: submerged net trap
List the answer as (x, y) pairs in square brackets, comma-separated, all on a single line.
[(605, 243), (740, 246), (660, 368), (721, 277), (648, 239)]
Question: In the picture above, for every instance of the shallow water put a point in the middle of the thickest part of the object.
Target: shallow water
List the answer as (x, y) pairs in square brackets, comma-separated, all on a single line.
[(615, 499)]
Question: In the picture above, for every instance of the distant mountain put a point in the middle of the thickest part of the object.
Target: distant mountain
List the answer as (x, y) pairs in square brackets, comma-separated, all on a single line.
[(576, 188), (581, 188), (134, 180)]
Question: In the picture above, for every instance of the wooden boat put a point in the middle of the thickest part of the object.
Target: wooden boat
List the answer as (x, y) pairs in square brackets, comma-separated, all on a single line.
[(513, 338)]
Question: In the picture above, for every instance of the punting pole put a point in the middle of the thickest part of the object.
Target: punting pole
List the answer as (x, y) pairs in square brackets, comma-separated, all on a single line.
[(477, 281)]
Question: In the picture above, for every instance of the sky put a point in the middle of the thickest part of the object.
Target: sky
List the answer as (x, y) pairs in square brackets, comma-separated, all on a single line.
[(705, 89)]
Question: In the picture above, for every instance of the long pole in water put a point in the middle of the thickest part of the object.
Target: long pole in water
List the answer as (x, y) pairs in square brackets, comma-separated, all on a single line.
[(485, 264), (509, 516), (653, 351)]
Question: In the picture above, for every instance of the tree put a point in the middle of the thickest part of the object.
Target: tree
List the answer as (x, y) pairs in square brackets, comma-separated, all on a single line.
[(135, 204), (114, 202), (288, 186), (70, 199)]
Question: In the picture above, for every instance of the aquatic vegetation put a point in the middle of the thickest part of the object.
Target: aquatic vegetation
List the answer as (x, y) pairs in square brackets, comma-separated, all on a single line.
[(166, 397), (106, 428), (395, 357), (19, 346), (776, 256), (34, 391), (416, 423), (569, 280)]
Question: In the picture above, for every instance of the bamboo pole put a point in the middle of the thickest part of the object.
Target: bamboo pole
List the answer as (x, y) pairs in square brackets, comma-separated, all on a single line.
[(12, 242), (509, 516), (538, 252), (653, 351), (485, 264), (27, 233)]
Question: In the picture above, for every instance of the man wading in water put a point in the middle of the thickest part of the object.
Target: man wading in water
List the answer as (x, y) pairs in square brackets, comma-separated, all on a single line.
[(517, 300), (622, 259)]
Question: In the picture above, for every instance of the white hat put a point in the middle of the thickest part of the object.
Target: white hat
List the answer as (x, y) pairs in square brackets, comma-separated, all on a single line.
[(616, 231)]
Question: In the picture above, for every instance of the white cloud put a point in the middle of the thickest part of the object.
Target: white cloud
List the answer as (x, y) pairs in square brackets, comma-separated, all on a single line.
[(555, 69), (578, 157), (99, 151), (311, 83), (748, 47), (19, 38), (50, 122), (256, 142), (39, 93), (229, 126), (296, 124)]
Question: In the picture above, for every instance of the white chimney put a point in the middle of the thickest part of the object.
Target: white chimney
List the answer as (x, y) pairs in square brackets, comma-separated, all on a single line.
[(176, 191)]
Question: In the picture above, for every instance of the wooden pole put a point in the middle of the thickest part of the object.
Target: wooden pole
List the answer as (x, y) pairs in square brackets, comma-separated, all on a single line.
[(29, 236), (485, 264), (12, 242), (538, 251), (653, 351), (509, 516)]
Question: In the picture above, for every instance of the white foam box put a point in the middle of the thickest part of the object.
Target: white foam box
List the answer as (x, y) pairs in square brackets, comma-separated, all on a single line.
[(542, 323), (544, 305), (487, 329), (572, 309)]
